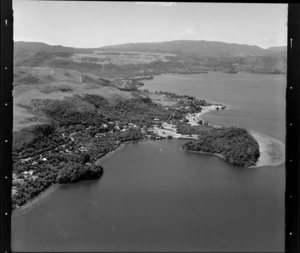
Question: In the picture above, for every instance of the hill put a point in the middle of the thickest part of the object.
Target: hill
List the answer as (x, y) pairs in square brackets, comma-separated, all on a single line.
[(53, 72), (136, 59), (277, 49), (190, 47)]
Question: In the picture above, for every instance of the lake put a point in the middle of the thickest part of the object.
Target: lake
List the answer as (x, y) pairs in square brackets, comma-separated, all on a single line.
[(155, 197), (254, 101)]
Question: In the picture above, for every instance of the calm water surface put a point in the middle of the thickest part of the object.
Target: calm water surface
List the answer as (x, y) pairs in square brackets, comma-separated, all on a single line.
[(254, 101), (155, 197)]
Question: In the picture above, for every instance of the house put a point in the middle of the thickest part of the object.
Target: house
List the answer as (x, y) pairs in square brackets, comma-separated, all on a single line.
[(28, 173), (26, 160), (34, 177), (82, 149)]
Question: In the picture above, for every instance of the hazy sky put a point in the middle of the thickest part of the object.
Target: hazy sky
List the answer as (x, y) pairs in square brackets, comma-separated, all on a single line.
[(95, 24)]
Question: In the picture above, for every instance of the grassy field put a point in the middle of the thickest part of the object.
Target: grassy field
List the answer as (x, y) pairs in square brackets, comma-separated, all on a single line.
[(120, 58), (35, 83)]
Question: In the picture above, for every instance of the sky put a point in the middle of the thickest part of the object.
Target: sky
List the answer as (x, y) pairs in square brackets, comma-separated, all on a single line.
[(95, 24)]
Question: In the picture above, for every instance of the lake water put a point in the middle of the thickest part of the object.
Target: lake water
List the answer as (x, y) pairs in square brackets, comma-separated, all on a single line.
[(155, 197), (254, 101)]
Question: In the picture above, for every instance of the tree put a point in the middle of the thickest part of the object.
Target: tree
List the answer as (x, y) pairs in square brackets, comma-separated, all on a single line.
[(85, 158)]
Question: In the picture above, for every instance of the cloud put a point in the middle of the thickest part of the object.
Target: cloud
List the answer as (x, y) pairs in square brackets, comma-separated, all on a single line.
[(164, 4), (187, 31)]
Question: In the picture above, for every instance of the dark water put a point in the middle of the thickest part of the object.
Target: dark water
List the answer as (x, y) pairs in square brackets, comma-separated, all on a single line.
[(155, 197)]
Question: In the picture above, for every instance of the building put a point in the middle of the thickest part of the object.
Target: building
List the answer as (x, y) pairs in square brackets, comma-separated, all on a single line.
[(82, 149)]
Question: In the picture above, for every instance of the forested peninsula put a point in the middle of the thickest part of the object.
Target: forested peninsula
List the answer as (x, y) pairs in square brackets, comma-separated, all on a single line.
[(234, 145)]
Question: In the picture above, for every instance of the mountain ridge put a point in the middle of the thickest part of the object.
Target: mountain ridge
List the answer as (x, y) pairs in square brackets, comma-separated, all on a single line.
[(135, 59), (57, 48)]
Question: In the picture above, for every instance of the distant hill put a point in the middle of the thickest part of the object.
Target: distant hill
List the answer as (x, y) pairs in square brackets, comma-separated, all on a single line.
[(190, 47), (35, 53), (218, 56), (181, 56), (277, 49), (24, 49)]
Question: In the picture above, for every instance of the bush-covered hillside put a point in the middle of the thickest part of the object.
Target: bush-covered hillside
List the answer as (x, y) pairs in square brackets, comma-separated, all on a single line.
[(236, 145)]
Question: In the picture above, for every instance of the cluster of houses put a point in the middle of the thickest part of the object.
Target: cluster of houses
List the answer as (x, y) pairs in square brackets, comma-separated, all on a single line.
[(68, 150), (128, 84)]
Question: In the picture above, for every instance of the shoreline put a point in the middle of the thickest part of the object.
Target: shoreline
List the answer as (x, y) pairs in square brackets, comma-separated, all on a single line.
[(206, 153), (110, 153), (32, 202), (200, 115), (272, 151)]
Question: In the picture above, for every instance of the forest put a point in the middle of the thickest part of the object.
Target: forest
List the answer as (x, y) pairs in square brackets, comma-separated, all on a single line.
[(236, 145), (75, 172), (139, 110)]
